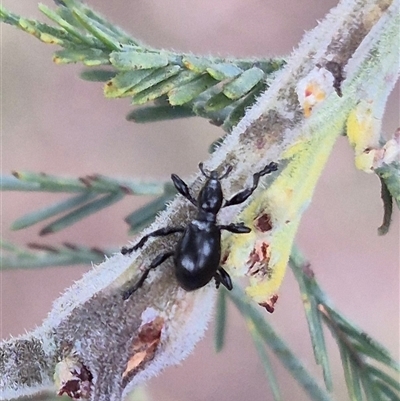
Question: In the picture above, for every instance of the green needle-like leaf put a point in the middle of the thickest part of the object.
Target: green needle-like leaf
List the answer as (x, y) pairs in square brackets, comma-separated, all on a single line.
[(221, 71), (239, 107), (187, 92), (163, 87), (143, 216), (138, 60), (351, 375), (40, 256), (198, 65), (122, 36), (314, 322), (147, 74), (387, 394), (97, 75), (265, 362), (124, 81), (85, 39), (363, 341), (355, 345), (276, 344), (89, 186), (159, 113), (49, 183), (28, 181), (100, 32), (385, 378), (50, 211), (89, 57), (243, 84), (217, 102), (155, 78), (82, 212), (220, 320)]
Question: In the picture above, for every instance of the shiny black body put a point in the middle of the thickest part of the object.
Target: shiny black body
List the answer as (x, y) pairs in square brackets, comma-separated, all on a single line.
[(197, 255)]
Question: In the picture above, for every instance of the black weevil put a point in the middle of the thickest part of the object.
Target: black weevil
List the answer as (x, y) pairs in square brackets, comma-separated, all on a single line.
[(198, 252)]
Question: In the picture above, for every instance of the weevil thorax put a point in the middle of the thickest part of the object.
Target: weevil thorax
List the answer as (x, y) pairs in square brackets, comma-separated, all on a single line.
[(210, 198)]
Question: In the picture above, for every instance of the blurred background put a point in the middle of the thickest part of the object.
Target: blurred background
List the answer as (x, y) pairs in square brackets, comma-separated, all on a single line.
[(54, 122)]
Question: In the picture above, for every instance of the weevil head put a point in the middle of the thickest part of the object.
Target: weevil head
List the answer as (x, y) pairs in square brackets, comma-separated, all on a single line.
[(211, 197)]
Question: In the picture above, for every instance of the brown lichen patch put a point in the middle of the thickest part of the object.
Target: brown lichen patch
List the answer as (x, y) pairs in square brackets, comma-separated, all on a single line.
[(269, 305), (73, 378), (258, 260), (144, 345), (266, 130), (263, 223)]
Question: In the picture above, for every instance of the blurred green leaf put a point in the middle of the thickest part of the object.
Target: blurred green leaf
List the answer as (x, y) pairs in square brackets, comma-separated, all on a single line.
[(145, 215), (277, 345), (314, 322), (385, 378), (97, 75), (259, 346), (40, 256), (220, 321), (40, 182), (159, 113), (82, 212), (355, 346), (351, 375), (49, 211)]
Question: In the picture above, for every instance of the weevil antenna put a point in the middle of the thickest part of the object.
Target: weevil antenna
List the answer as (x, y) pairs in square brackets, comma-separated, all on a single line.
[(202, 170), (228, 170)]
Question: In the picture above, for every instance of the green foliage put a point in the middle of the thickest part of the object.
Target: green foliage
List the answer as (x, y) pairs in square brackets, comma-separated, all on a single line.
[(215, 88), (360, 354), (277, 345), (39, 255), (95, 192), (220, 321)]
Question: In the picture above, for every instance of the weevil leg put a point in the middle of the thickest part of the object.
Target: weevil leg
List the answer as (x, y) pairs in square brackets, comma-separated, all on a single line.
[(158, 233), (222, 277), (245, 194), (182, 188), (238, 228), (155, 263)]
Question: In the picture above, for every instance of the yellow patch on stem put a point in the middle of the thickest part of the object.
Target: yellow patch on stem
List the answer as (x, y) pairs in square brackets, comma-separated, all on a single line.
[(363, 131), (263, 256)]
